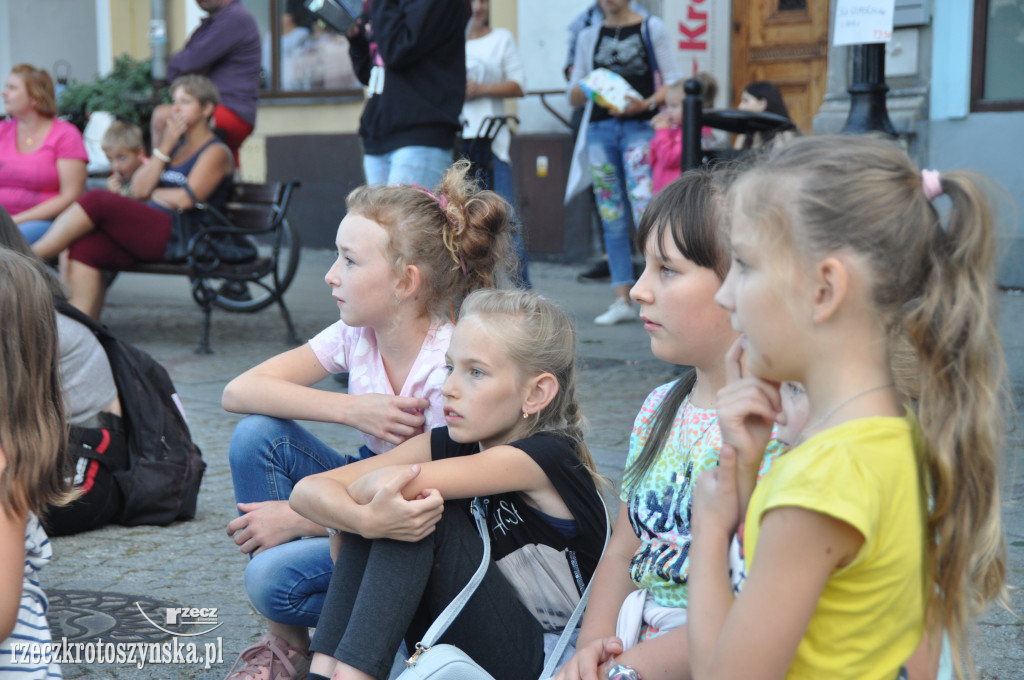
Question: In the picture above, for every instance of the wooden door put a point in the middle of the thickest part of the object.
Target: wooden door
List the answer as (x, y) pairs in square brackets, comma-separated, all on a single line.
[(786, 42)]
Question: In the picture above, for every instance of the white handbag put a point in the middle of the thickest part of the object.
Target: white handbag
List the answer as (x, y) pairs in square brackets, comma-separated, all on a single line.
[(448, 662)]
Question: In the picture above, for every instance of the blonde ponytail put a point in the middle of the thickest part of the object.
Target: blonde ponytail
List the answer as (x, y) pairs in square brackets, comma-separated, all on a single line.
[(934, 289), (952, 327)]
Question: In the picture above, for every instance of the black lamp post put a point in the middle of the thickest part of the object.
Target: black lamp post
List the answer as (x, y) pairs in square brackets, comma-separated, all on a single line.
[(868, 112)]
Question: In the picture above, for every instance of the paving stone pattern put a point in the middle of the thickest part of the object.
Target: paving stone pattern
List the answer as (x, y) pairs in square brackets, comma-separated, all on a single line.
[(195, 564)]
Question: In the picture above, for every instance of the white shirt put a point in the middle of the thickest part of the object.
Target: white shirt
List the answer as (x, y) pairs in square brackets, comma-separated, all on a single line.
[(490, 60)]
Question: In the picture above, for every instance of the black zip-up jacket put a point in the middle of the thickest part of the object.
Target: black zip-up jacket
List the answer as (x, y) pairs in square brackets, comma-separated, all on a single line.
[(423, 46)]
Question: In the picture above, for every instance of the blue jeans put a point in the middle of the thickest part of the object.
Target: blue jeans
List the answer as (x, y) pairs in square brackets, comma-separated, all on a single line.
[(422, 165), (503, 187), (286, 583), (620, 164), (34, 230)]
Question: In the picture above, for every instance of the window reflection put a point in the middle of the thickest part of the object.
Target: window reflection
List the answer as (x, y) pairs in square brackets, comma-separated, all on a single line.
[(310, 56), (1004, 51)]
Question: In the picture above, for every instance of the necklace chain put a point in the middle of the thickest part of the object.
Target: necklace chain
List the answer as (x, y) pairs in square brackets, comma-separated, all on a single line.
[(835, 409), (28, 136)]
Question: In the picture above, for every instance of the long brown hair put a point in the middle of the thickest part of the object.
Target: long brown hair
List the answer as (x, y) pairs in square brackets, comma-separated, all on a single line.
[(33, 434), (688, 209), (933, 287), (458, 235)]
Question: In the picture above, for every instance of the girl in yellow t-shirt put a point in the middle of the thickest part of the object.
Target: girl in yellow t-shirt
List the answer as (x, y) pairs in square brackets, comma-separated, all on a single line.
[(881, 511)]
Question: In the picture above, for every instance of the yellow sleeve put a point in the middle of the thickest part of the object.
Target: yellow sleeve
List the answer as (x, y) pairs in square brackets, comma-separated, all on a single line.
[(830, 479)]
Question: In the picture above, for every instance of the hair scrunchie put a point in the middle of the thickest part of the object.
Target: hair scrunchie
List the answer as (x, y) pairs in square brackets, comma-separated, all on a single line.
[(931, 183)]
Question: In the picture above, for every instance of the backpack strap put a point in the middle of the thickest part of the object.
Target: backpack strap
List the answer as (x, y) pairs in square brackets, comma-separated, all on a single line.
[(445, 618), (64, 307), (551, 665), (107, 444), (652, 58)]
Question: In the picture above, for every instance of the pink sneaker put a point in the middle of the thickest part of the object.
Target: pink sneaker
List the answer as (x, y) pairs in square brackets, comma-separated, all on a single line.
[(270, 659)]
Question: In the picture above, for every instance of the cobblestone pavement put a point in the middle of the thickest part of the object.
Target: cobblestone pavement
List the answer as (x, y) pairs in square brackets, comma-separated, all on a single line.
[(195, 564)]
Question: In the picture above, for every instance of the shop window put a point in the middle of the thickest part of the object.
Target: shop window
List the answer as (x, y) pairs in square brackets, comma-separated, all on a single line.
[(998, 52), (302, 57)]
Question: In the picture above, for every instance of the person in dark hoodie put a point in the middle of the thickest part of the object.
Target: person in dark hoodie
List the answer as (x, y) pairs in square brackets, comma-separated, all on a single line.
[(411, 56)]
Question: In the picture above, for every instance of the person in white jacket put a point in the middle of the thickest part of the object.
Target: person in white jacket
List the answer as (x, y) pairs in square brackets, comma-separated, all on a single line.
[(638, 49)]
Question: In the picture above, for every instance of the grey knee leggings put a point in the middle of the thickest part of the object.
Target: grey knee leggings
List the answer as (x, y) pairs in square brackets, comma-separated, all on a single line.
[(383, 591)]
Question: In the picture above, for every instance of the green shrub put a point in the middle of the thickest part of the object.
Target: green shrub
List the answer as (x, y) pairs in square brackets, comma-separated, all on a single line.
[(126, 92)]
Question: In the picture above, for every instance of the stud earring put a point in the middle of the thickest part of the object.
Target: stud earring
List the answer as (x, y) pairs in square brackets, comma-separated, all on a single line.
[(525, 414)]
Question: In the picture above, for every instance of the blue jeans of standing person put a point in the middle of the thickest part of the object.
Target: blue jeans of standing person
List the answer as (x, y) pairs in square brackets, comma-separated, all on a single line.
[(422, 165), (620, 163), (268, 456), (34, 230), (503, 187)]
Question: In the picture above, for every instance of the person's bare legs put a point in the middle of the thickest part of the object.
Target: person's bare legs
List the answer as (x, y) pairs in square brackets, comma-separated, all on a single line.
[(336, 670), (70, 225), (87, 287), (158, 123)]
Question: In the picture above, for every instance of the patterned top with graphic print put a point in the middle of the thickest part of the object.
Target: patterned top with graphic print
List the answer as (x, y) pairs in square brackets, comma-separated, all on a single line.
[(660, 507)]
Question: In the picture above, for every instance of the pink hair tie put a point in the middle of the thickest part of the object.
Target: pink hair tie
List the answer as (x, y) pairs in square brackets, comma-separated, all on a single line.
[(454, 228), (442, 200), (931, 184)]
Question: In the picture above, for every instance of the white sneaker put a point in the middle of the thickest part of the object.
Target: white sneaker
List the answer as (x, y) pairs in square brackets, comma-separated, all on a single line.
[(620, 311)]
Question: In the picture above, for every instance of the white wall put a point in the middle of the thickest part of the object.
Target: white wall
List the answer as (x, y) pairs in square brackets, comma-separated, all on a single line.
[(43, 32), (543, 43)]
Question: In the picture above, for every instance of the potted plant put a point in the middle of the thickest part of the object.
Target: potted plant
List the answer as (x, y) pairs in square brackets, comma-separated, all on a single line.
[(126, 92)]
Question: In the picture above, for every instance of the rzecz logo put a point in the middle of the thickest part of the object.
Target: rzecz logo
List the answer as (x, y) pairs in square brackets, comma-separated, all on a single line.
[(204, 617)]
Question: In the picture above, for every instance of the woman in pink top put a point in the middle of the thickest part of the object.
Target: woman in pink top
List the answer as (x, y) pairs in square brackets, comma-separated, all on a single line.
[(42, 159), (406, 260)]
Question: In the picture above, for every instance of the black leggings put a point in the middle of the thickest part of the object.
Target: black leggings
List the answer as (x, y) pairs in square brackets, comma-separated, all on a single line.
[(383, 590)]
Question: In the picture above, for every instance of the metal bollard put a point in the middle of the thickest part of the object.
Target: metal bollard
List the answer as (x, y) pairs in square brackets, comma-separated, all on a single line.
[(693, 108)]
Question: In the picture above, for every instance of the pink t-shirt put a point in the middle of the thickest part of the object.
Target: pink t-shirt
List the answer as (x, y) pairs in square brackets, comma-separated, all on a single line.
[(26, 180), (344, 348)]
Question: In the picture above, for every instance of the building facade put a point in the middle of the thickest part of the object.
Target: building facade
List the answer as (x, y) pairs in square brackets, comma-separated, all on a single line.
[(954, 70)]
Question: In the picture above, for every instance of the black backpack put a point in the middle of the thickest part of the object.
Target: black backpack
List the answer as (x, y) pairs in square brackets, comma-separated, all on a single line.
[(165, 467)]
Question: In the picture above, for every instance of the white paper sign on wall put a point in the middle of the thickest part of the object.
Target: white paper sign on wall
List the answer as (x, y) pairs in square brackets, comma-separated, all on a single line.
[(863, 21)]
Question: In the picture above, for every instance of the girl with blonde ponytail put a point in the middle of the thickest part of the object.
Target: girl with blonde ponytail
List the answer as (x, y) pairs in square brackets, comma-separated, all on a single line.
[(881, 525), (512, 439)]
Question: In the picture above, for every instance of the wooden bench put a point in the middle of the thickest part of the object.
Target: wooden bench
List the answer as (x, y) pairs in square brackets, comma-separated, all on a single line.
[(258, 211)]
